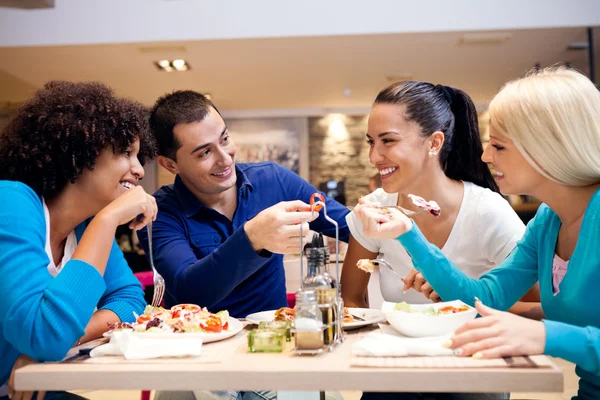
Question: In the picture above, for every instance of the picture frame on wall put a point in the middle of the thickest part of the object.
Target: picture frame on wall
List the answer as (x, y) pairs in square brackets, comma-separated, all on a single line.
[(281, 140)]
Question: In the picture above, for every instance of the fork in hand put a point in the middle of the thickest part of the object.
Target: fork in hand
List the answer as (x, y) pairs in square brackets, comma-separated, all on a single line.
[(405, 211), (381, 262), (159, 281)]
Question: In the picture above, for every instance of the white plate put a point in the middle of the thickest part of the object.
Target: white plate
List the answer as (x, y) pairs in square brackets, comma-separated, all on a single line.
[(234, 327), (371, 317), (422, 325)]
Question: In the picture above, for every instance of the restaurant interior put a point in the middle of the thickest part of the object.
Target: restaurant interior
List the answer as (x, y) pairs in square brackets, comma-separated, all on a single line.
[(294, 83)]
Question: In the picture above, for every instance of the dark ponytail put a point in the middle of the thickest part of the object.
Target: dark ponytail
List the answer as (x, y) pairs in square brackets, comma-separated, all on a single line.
[(451, 111)]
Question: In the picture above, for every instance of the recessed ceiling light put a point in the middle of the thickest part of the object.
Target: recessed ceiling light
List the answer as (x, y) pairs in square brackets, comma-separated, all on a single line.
[(208, 96), (178, 64), (175, 65)]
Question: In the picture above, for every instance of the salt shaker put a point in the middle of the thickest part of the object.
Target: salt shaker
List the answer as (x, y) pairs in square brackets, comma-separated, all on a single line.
[(308, 324)]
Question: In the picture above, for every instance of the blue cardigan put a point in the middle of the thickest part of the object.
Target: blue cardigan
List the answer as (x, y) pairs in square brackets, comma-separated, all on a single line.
[(572, 327), (42, 316)]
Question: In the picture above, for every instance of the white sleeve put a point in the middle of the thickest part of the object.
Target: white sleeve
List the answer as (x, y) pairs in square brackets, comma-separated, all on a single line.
[(499, 226), (356, 229)]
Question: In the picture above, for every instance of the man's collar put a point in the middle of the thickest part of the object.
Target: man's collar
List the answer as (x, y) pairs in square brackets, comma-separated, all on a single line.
[(190, 205)]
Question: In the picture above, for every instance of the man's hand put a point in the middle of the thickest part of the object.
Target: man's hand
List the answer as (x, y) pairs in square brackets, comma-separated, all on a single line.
[(12, 393), (277, 229)]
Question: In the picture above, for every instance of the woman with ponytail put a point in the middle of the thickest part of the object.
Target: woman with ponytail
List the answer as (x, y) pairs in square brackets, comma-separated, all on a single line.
[(424, 140), (545, 140)]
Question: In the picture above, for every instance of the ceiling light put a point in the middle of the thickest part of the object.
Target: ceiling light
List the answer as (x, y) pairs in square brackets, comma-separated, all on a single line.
[(484, 38), (208, 96), (178, 64), (175, 65)]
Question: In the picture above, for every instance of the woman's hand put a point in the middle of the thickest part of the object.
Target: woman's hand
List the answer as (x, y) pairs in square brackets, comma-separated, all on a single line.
[(498, 334), (415, 280), (129, 205), (12, 393), (388, 223)]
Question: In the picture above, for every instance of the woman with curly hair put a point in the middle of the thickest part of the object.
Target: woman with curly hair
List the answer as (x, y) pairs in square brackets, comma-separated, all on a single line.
[(70, 161)]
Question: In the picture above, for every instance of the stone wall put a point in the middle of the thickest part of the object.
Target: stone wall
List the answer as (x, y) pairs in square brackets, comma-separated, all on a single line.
[(338, 150)]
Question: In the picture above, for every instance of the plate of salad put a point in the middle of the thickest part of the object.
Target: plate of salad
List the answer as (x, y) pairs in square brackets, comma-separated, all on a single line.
[(421, 320), (186, 319)]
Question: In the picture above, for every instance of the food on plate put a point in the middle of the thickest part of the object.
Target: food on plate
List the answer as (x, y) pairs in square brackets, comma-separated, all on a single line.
[(182, 318), (366, 265), (404, 306), (315, 198), (430, 206), (347, 316), (119, 326), (285, 314)]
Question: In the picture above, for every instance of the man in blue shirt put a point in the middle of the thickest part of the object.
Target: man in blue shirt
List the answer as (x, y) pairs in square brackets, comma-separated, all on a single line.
[(222, 228)]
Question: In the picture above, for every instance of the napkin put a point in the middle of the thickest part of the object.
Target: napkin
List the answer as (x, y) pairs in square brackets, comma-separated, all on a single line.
[(392, 344), (142, 346)]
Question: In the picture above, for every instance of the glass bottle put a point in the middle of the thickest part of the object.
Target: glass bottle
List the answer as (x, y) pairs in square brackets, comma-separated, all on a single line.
[(308, 323), (322, 285)]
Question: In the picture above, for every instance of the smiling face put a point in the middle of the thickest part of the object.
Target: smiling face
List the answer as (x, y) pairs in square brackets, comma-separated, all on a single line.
[(398, 148), (206, 157), (113, 174), (513, 173)]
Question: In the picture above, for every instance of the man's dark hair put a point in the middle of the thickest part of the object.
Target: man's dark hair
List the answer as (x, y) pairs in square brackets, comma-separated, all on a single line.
[(60, 132), (179, 107)]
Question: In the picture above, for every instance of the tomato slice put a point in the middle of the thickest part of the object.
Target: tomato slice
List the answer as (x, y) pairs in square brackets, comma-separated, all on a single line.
[(143, 318), (317, 197), (226, 326), (213, 324)]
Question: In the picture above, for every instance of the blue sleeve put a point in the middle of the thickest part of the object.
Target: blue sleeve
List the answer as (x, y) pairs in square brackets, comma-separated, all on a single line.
[(40, 316), (301, 190), (500, 288), (206, 281), (579, 345), (123, 295)]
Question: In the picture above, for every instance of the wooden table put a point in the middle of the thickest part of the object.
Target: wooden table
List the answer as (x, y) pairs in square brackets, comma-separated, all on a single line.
[(239, 370)]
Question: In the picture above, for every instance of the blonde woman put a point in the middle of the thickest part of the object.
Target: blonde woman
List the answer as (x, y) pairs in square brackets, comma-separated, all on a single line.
[(544, 142)]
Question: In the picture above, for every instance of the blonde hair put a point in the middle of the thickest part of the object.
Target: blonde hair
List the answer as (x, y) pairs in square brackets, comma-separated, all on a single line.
[(553, 118)]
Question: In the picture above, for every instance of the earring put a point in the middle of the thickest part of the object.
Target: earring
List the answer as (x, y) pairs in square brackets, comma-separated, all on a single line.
[(431, 153)]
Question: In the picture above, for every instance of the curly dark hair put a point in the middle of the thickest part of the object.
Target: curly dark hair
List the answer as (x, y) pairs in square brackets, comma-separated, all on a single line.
[(59, 133)]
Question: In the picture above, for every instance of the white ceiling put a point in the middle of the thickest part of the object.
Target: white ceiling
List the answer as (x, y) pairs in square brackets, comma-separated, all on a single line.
[(293, 73)]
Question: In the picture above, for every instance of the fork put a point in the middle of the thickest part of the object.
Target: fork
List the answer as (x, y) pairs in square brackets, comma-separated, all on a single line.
[(159, 281), (380, 261), (405, 211)]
